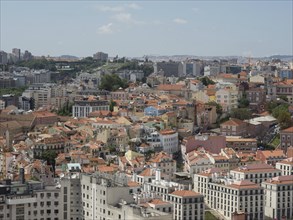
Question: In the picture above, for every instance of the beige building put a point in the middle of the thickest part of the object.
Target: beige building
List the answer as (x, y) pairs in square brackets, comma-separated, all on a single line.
[(234, 127), (228, 196), (257, 173), (278, 197), (187, 204), (286, 166), (227, 98)]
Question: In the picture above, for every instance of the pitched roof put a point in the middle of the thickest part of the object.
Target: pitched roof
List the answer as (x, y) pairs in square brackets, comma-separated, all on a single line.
[(244, 184), (288, 130), (146, 172), (233, 122), (185, 193), (275, 153), (169, 87), (158, 202)]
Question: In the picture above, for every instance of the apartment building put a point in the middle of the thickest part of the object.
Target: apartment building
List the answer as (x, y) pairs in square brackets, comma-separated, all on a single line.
[(83, 106), (227, 98), (278, 197), (283, 88), (169, 141), (164, 162), (256, 173), (286, 137), (41, 94), (234, 127), (286, 166), (187, 204), (55, 143), (270, 157), (29, 200), (228, 196), (241, 144), (99, 203), (100, 56), (256, 98)]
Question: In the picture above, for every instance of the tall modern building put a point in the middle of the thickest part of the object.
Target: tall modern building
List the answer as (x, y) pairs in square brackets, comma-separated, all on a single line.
[(100, 56), (3, 58), (16, 52)]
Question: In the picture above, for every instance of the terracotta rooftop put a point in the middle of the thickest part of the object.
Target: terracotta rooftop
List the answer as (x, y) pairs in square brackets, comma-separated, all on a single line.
[(244, 184), (275, 153), (132, 184), (169, 87), (167, 132), (146, 172), (185, 193), (288, 130), (288, 161), (281, 180), (256, 168), (158, 202), (233, 122)]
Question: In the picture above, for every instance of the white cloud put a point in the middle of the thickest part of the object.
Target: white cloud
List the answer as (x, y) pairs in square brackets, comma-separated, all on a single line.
[(127, 19), (179, 21), (110, 9), (123, 17), (105, 29), (134, 6)]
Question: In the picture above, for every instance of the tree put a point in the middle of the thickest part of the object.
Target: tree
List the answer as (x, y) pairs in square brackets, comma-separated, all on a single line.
[(112, 104), (279, 110), (112, 82), (50, 156), (243, 102), (282, 114), (66, 110), (283, 97), (241, 113), (207, 81), (285, 119), (271, 105)]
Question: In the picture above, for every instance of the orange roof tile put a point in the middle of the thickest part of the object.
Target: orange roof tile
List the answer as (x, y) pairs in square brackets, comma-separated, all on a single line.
[(185, 193), (169, 87)]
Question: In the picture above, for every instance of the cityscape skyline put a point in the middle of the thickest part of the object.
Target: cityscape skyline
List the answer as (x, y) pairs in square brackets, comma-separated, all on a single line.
[(136, 28)]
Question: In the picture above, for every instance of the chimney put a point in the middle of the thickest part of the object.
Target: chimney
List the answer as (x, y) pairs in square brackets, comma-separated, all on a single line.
[(21, 175)]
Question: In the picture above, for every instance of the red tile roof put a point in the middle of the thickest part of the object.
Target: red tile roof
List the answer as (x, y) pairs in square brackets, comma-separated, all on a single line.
[(185, 193)]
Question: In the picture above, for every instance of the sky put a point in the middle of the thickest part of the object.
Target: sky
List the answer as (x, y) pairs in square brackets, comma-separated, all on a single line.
[(138, 28)]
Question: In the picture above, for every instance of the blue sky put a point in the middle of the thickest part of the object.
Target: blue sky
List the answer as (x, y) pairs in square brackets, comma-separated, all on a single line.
[(137, 28)]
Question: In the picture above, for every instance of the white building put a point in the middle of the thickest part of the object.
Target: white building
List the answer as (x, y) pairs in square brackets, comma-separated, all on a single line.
[(109, 197), (286, 166), (83, 106), (228, 196), (278, 197), (187, 204), (169, 141), (255, 172)]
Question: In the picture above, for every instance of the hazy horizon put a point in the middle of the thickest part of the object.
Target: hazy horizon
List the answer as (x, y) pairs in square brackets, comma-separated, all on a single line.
[(138, 28)]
